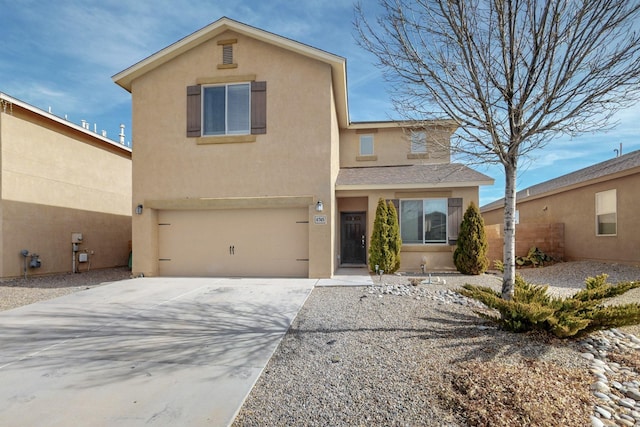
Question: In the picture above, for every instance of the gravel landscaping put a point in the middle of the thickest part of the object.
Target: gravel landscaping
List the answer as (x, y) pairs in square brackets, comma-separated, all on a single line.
[(394, 354)]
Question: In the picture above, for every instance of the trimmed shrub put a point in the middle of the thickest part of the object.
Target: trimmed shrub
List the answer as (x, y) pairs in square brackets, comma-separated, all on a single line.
[(394, 239), (379, 253), (470, 256), (384, 250), (532, 308)]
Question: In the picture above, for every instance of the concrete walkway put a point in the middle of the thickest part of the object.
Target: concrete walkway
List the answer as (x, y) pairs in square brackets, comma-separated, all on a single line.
[(152, 351)]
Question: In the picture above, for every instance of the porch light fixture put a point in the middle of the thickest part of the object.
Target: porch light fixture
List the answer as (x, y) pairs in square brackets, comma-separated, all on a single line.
[(319, 206), (139, 209)]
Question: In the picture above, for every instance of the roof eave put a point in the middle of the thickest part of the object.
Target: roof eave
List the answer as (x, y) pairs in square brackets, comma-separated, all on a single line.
[(64, 122), (415, 186), (499, 204), (402, 123)]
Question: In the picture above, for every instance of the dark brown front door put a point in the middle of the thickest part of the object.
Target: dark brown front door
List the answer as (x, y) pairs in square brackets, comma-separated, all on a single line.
[(353, 238)]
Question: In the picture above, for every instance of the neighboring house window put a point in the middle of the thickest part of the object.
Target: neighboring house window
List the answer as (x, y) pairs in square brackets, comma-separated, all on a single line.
[(231, 109), (366, 145), (606, 213), (423, 221), (418, 142), (226, 109)]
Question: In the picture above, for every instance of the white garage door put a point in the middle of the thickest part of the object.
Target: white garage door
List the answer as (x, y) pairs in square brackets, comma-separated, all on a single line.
[(239, 242)]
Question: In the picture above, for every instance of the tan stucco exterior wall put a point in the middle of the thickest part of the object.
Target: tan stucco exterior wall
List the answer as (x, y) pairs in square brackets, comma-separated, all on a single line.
[(575, 208), (294, 158), (54, 181), (392, 146)]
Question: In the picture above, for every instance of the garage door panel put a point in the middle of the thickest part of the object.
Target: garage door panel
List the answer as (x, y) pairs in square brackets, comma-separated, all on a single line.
[(243, 242)]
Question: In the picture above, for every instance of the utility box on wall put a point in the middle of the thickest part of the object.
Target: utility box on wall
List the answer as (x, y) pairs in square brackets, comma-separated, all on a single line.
[(76, 237)]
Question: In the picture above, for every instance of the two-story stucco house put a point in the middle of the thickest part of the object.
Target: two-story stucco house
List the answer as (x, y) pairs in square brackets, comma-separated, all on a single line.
[(245, 163)]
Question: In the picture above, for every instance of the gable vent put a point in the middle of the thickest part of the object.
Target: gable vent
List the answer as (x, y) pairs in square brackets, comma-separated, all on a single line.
[(227, 54)]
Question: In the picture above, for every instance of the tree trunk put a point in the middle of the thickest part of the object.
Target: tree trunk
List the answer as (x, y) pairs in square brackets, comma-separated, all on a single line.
[(509, 277)]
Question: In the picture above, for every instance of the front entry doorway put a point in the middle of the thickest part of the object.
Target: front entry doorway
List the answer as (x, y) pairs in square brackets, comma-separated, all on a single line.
[(353, 238)]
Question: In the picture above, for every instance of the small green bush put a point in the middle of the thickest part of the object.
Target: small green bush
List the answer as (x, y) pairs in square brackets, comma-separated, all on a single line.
[(393, 238), (470, 256), (384, 250), (535, 257), (532, 308), (379, 247)]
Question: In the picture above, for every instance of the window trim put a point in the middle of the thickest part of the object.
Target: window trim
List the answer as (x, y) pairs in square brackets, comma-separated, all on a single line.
[(598, 213)]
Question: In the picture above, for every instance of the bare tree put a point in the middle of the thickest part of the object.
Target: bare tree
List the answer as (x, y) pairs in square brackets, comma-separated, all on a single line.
[(513, 74)]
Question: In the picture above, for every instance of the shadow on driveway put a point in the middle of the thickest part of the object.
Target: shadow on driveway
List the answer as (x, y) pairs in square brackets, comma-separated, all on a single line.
[(166, 351)]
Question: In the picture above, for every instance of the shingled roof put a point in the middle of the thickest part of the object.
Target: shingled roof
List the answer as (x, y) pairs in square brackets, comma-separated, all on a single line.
[(621, 164), (410, 176)]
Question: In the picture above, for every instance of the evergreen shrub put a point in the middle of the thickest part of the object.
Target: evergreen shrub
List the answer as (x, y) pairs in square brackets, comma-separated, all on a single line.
[(532, 308), (470, 256), (385, 245)]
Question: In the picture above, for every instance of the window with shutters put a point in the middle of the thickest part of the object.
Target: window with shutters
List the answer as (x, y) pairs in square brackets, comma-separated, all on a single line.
[(226, 109), (430, 221), (230, 109)]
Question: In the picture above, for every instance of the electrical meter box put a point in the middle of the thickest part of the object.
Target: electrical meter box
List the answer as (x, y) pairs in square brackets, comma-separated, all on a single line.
[(76, 237)]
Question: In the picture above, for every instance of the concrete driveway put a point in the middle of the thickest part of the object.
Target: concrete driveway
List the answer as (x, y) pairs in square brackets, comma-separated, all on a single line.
[(152, 351)]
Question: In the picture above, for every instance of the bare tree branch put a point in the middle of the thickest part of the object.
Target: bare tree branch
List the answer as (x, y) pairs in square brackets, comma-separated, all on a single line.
[(512, 74)]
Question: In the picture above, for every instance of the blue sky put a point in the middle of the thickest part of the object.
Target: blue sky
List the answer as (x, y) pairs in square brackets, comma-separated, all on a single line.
[(62, 54)]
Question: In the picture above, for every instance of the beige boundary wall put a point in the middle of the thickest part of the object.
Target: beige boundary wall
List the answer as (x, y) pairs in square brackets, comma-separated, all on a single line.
[(549, 238), (57, 179)]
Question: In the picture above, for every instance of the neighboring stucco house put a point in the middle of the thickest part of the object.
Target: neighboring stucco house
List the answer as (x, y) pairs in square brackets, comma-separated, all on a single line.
[(59, 180), (245, 163), (597, 205)]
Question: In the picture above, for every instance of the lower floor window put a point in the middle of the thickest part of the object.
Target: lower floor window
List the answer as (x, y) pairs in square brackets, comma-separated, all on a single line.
[(423, 221), (606, 220)]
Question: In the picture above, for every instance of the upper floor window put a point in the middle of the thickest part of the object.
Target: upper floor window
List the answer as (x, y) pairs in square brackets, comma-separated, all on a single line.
[(366, 145), (226, 109), (606, 213), (418, 142)]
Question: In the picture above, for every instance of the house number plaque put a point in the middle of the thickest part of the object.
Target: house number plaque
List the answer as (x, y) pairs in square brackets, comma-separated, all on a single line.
[(320, 219)]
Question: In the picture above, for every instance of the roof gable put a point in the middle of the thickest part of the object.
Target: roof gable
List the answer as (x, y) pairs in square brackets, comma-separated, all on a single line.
[(337, 63)]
